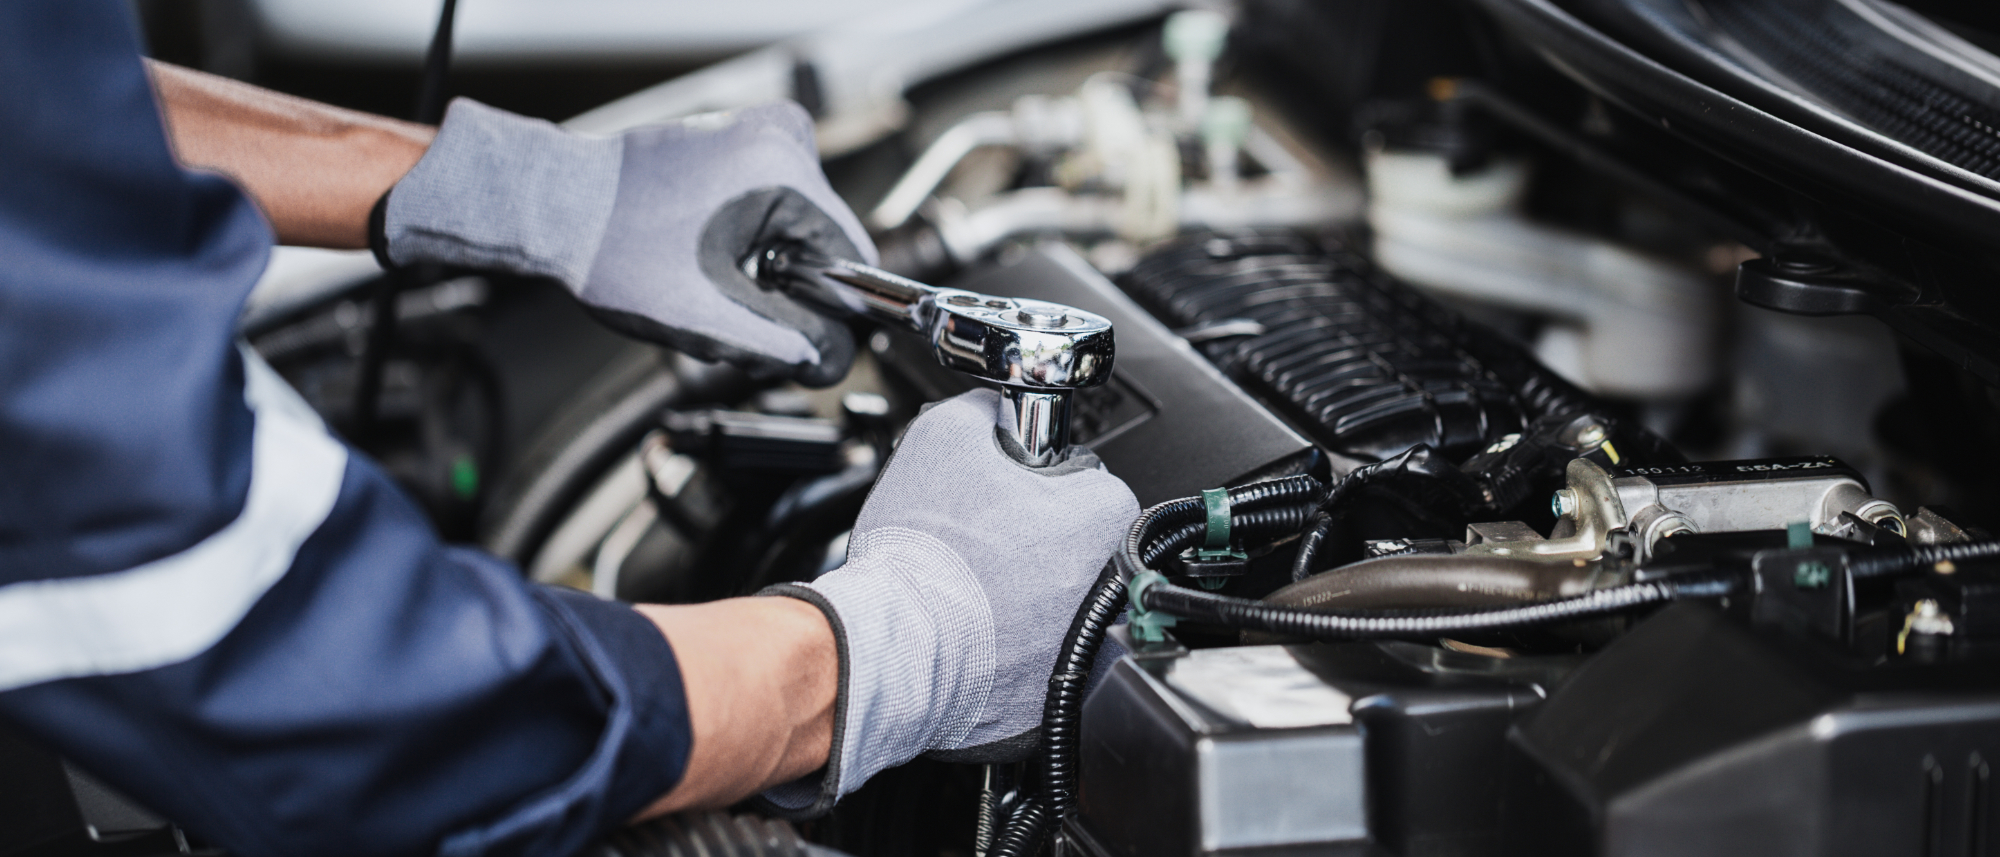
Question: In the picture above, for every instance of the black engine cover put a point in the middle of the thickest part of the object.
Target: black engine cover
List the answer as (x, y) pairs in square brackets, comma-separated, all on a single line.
[(1366, 364), (1695, 735)]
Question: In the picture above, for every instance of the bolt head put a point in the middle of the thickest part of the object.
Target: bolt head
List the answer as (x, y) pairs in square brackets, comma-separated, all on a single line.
[(1046, 318), (1563, 503)]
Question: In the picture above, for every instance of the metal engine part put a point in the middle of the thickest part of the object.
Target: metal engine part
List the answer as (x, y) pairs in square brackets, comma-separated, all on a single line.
[(1642, 506)]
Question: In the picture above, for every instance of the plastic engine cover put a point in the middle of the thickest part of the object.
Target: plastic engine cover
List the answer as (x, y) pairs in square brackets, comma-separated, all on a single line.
[(1364, 363)]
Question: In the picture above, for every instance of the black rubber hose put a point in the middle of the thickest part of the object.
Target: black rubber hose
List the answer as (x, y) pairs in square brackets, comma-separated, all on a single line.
[(1062, 711), (1189, 514), (1274, 521), (1437, 582), (1173, 541), (1419, 457), (1064, 704), (1309, 545), (1171, 514), (1248, 615)]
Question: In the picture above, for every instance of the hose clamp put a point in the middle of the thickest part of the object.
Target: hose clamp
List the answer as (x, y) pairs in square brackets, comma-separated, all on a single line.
[(1215, 542), (1147, 626)]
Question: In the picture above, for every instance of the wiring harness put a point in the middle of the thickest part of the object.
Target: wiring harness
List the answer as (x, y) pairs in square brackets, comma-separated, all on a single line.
[(1281, 507)]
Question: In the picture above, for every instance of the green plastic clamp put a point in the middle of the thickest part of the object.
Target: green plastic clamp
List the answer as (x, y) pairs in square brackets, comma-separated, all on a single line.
[(1798, 535), (1148, 626), (1215, 543)]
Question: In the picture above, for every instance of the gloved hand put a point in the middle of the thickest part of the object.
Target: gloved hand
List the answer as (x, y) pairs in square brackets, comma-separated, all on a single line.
[(647, 228), (962, 575)]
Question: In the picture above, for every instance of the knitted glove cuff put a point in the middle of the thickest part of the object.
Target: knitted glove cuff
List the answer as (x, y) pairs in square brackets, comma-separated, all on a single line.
[(505, 192), (916, 644)]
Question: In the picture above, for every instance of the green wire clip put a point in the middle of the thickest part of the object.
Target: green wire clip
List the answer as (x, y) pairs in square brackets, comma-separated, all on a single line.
[(1798, 535), (1214, 555), (1148, 626), (1215, 545)]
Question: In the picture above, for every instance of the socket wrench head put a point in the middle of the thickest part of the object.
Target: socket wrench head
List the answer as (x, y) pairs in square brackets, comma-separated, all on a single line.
[(1020, 344), (1038, 352)]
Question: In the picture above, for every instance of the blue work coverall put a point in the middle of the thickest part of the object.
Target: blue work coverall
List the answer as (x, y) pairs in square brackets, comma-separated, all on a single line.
[(211, 602)]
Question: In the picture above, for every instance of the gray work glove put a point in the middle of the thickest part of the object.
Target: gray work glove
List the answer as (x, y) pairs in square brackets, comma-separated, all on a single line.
[(962, 575), (648, 228)]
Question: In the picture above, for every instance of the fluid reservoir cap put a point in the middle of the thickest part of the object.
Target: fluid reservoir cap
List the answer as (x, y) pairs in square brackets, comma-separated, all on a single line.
[(1196, 34)]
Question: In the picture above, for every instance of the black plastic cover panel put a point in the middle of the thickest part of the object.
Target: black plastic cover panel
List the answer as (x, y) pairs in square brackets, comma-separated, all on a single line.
[(1695, 735), (1366, 364)]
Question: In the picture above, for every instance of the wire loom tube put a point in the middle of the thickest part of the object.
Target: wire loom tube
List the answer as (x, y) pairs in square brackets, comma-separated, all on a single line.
[(1323, 520), (1258, 522), (1882, 562), (1167, 528), (1279, 504)]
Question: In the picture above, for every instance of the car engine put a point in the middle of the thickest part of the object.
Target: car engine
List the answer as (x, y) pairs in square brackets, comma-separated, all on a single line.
[(1564, 426)]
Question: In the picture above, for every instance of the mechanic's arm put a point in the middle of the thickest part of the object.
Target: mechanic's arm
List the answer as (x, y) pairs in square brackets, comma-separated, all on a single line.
[(939, 632), (313, 168), (760, 675), (646, 228)]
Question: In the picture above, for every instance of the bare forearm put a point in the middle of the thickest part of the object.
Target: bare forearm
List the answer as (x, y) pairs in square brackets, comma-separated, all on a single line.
[(760, 676), (313, 168)]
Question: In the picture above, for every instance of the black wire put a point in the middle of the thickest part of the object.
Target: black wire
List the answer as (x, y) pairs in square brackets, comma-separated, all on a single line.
[(1190, 515), (1248, 615), (437, 67), (1258, 494), (1167, 528), (1062, 708), (1355, 479), (382, 307), (1881, 562), (1331, 507), (1322, 526), (1254, 509), (1062, 711), (1025, 829), (375, 354)]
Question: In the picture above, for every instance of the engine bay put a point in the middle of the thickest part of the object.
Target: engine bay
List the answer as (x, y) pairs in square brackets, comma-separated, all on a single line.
[(1482, 517)]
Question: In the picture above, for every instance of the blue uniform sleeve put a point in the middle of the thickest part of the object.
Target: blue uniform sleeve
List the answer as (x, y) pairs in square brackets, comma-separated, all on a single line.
[(208, 600)]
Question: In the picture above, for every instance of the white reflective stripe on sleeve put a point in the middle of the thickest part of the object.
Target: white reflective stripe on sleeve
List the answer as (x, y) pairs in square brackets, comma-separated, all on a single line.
[(174, 608)]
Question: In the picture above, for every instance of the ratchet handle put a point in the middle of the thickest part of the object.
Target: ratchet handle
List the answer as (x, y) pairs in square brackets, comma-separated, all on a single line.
[(842, 287)]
